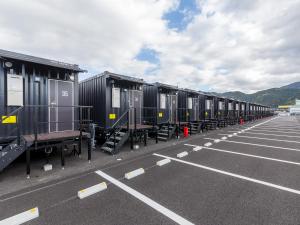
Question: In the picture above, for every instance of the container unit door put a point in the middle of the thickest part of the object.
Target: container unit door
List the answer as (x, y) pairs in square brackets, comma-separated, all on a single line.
[(209, 109), (163, 112), (38, 110), (61, 114), (65, 99), (135, 105), (242, 112), (52, 93), (237, 110), (173, 109), (194, 109), (230, 110), (221, 109)]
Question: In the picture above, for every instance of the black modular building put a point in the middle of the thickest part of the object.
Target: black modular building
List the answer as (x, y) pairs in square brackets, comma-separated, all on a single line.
[(38, 100), (230, 111), (118, 108), (112, 95), (161, 103)]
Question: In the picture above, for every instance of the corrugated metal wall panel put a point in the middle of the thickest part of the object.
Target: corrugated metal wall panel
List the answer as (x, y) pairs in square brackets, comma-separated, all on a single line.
[(35, 87)]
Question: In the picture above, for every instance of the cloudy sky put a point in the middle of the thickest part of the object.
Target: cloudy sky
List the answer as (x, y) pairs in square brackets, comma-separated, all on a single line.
[(209, 45)]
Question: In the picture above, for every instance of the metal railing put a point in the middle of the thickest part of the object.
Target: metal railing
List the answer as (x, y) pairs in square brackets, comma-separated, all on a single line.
[(35, 120)]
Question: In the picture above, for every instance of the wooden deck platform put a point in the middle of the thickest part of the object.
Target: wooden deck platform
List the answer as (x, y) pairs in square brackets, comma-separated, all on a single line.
[(55, 136), (139, 127)]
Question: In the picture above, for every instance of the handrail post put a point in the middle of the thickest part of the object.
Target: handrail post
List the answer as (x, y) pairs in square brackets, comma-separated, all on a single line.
[(80, 132), (114, 140), (135, 119), (18, 129), (35, 127)]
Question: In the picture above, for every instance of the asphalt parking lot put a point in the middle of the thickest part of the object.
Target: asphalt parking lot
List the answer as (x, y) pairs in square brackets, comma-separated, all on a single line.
[(250, 175)]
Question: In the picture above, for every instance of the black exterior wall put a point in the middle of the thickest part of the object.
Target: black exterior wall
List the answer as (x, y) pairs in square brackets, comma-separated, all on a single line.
[(210, 112), (153, 112), (243, 110), (230, 111), (220, 108), (192, 112), (35, 78), (97, 92)]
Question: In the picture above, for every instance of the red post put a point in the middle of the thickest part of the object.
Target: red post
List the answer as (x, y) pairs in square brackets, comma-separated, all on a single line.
[(185, 132), (241, 121)]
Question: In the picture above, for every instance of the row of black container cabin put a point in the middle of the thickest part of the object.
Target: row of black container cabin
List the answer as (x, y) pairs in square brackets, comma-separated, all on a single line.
[(43, 106), (112, 95), (125, 107)]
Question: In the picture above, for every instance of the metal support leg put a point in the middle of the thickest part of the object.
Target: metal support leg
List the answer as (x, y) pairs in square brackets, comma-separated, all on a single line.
[(145, 138), (62, 157), (89, 150), (156, 135), (27, 161), (79, 146), (131, 140)]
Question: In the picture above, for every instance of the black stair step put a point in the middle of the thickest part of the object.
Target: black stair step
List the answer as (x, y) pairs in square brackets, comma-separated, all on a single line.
[(110, 143), (121, 133), (107, 149), (163, 134), (166, 127), (117, 138), (165, 131), (162, 139)]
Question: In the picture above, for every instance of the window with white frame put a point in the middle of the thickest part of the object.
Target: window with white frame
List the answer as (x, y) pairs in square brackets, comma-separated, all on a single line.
[(163, 102), (221, 105), (116, 98), (208, 104), (190, 103)]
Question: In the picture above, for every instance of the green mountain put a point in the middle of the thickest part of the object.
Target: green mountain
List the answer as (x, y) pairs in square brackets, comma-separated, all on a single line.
[(273, 97)]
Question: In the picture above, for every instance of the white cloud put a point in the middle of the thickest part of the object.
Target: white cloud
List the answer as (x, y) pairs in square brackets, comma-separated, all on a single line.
[(255, 42), (232, 45)]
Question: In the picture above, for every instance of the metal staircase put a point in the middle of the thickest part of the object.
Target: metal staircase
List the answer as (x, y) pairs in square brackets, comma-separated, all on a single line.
[(118, 135), (11, 152), (195, 127), (166, 132), (115, 141), (211, 124)]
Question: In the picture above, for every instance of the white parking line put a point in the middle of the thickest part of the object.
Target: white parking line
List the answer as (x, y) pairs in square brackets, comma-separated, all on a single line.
[(168, 213), (269, 139), (248, 155), (260, 145), (277, 135), (274, 131), (232, 174), (278, 128)]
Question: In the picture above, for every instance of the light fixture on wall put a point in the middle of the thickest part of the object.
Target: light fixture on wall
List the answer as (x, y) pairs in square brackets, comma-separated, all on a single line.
[(8, 64), (72, 78)]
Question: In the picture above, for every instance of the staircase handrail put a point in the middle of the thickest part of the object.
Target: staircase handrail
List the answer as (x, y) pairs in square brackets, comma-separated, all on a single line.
[(121, 117)]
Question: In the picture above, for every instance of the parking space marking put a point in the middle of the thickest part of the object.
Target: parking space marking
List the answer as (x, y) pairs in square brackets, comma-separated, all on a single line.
[(161, 209), (248, 155), (260, 145), (279, 128), (279, 187), (277, 135), (269, 139), (274, 131)]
